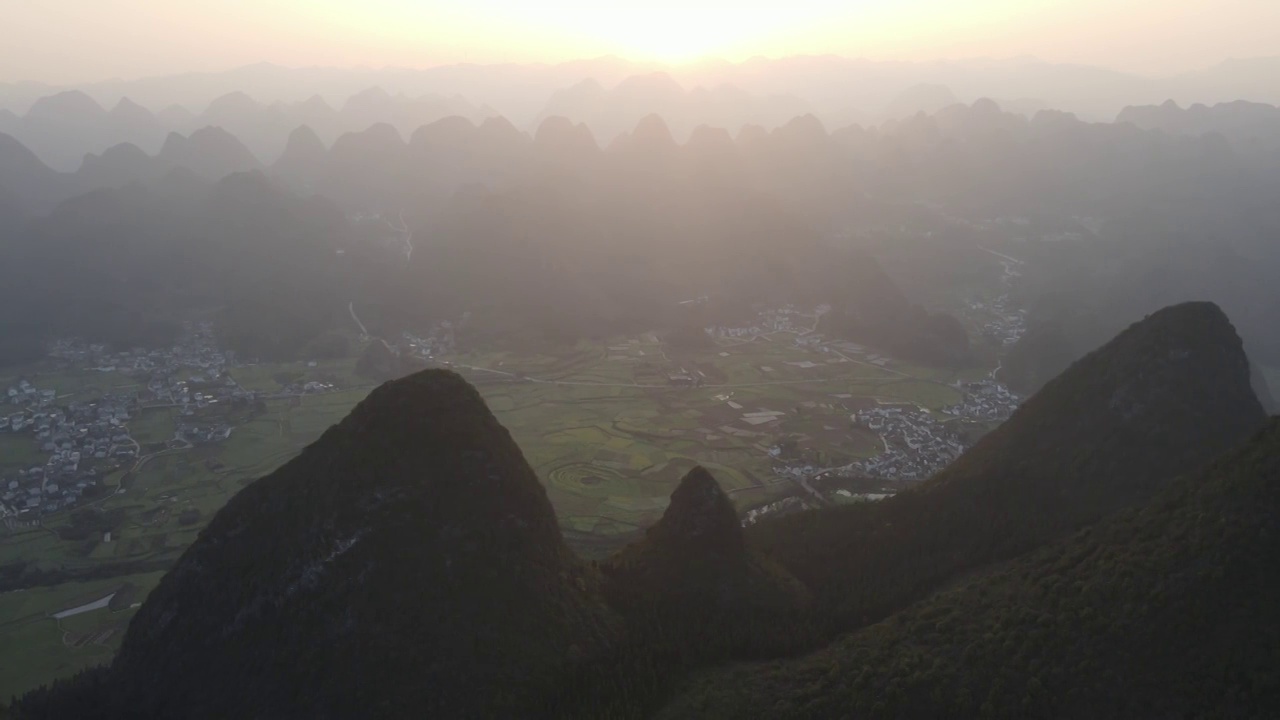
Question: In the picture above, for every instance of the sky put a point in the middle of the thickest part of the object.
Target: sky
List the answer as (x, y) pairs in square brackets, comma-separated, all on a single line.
[(69, 41)]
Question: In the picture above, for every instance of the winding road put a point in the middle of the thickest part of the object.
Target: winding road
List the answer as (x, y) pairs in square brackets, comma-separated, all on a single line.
[(351, 307), (408, 235)]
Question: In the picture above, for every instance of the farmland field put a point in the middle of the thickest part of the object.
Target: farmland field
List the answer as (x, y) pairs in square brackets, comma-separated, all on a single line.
[(36, 647), (607, 426), (601, 423)]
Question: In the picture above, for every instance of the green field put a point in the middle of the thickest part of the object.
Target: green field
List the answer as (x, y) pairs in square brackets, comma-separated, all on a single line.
[(604, 428), (613, 440), (19, 452), (71, 385), (35, 647)]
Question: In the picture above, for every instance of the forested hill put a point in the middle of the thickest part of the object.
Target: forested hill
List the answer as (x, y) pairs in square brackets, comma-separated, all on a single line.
[(406, 564), (409, 564), (1166, 395), (1172, 610)]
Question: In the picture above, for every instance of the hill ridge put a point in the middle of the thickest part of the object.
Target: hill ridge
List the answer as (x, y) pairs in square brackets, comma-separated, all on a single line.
[(1168, 610)]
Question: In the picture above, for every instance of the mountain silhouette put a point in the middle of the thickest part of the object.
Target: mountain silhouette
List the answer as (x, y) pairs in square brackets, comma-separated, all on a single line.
[(612, 112), (1166, 395), (694, 563), (414, 566), (1164, 611), (210, 152), (409, 562), (1252, 127), (924, 98), (34, 186), (303, 158)]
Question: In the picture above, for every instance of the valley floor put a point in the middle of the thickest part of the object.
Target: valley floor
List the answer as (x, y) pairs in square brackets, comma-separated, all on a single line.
[(782, 416)]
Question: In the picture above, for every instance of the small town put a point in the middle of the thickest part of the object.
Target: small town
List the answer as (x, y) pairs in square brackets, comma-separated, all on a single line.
[(916, 445), (86, 439), (439, 340), (985, 401), (784, 319), (83, 441)]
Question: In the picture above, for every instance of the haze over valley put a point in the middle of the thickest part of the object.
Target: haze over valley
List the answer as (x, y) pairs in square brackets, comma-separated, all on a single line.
[(777, 361)]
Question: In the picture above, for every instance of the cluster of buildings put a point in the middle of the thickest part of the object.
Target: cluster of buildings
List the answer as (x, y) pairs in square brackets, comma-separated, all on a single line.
[(681, 376), (787, 318), (83, 441), (915, 444), (197, 350), (439, 340), (1001, 320), (1003, 323), (26, 496), (984, 401), (27, 396)]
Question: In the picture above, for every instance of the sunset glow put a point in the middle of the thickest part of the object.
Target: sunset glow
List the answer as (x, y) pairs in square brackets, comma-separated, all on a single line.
[(129, 38)]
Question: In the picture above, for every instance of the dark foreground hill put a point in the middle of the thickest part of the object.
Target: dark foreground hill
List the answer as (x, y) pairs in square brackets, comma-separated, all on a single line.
[(695, 564), (1170, 611), (1165, 396), (691, 594), (408, 563)]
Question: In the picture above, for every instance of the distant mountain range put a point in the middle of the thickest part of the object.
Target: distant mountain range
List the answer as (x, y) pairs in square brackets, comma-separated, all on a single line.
[(1251, 127), (62, 129), (610, 113), (609, 94), (1089, 557), (560, 184)]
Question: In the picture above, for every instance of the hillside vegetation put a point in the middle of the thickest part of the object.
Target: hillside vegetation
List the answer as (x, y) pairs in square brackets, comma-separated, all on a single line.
[(1166, 611), (409, 564)]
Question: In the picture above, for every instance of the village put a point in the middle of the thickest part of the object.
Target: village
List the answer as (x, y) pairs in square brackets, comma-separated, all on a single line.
[(916, 445), (984, 401), (438, 340), (83, 442), (917, 442), (784, 319), (84, 439)]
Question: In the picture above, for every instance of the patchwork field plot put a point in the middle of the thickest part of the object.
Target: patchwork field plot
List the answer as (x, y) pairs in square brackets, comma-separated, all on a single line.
[(610, 428), (38, 646)]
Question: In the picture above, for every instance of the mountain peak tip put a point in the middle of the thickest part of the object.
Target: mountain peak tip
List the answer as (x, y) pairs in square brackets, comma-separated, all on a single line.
[(701, 514)]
